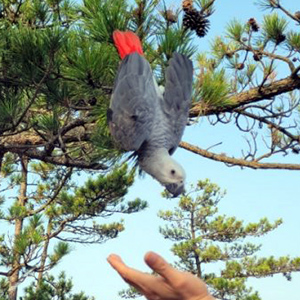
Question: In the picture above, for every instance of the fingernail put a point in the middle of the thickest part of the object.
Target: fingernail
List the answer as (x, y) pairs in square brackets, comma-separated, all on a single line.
[(151, 257), (111, 256)]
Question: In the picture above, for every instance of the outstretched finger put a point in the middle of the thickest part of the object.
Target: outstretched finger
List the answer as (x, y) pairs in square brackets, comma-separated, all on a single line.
[(160, 266), (130, 275)]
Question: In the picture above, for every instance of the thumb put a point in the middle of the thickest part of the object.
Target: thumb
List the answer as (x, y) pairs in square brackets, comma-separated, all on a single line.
[(160, 266)]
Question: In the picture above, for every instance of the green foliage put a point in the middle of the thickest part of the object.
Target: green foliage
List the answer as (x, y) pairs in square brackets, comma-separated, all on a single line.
[(235, 30), (54, 289), (143, 19), (214, 88), (8, 164), (174, 39), (16, 211), (60, 250), (293, 41), (206, 6), (10, 111), (56, 206), (130, 293), (32, 48), (262, 267), (103, 17), (102, 195), (4, 286), (274, 28), (202, 236), (235, 287)]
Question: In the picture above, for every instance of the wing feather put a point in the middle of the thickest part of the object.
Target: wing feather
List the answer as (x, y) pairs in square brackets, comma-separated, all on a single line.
[(177, 95), (133, 103)]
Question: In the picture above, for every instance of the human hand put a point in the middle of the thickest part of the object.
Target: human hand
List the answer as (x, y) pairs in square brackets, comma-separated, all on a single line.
[(171, 284)]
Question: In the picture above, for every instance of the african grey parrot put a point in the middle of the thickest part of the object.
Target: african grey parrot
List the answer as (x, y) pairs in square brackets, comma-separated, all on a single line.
[(144, 118)]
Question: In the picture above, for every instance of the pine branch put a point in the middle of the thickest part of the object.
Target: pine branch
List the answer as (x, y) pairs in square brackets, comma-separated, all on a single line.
[(59, 160), (252, 95), (262, 267), (4, 274), (268, 54), (238, 162), (27, 144), (34, 97), (293, 137), (53, 198), (288, 13)]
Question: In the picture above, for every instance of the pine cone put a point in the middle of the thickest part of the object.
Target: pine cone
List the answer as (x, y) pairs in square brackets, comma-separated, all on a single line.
[(280, 38), (190, 19), (257, 56), (170, 16), (194, 20), (187, 5), (229, 55), (253, 24), (203, 26), (240, 66), (297, 15)]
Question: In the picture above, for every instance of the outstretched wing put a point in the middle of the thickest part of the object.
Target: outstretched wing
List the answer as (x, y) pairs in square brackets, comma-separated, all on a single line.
[(133, 102), (177, 95)]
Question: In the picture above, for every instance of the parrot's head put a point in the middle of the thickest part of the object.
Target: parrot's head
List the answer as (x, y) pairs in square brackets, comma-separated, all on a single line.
[(166, 170)]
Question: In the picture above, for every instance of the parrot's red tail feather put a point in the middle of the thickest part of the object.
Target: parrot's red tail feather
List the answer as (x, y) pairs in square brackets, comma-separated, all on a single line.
[(127, 42)]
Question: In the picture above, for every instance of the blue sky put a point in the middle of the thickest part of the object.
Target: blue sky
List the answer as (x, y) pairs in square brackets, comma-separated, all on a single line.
[(251, 195)]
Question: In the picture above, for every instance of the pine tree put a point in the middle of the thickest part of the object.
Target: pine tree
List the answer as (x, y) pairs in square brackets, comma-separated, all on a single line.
[(58, 64), (49, 204), (57, 68), (201, 236), (54, 289)]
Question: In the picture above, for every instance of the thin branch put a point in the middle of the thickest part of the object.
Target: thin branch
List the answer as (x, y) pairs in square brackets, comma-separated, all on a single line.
[(264, 120), (58, 160), (237, 162), (57, 191), (288, 13)]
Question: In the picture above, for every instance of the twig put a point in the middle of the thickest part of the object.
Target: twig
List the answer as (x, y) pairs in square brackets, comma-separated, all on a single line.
[(237, 162)]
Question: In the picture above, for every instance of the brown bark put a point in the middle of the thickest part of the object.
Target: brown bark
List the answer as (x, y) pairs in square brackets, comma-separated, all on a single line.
[(14, 277), (252, 95), (45, 252), (27, 142), (195, 248), (238, 162)]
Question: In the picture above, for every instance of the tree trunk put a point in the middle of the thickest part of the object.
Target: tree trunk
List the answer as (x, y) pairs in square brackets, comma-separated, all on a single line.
[(195, 248), (14, 277), (45, 253)]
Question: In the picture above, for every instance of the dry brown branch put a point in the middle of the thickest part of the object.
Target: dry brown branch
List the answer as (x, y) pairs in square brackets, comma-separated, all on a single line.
[(269, 123), (237, 162)]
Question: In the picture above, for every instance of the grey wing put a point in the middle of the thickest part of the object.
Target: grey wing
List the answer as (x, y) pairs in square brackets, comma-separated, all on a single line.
[(177, 96), (131, 112)]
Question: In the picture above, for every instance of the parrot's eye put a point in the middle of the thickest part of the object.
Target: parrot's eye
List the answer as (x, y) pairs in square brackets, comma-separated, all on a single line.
[(173, 172)]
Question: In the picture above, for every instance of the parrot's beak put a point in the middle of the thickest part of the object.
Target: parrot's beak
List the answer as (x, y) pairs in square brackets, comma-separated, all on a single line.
[(175, 189)]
